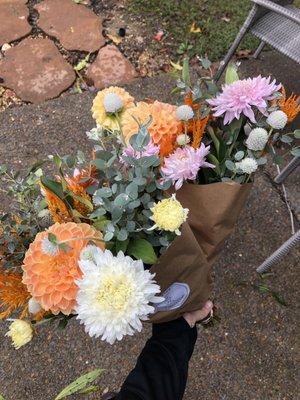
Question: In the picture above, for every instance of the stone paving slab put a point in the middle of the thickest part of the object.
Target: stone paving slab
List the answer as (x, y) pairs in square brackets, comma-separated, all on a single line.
[(36, 70), (13, 20), (111, 68), (250, 355), (74, 25)]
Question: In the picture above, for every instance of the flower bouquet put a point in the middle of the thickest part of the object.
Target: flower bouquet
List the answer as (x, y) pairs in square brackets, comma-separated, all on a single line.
[(161, 192)]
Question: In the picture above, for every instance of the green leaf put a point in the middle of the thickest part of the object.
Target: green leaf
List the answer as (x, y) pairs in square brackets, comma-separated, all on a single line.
[(205, 62), (279, 298), (121, 245), (90, 389), (52, 238), (296, 151), (99, 212), (53, 186), (83, 200), (230, 165), (231, 74), (239, 155), (79, 384), (122, 235), (186, 72), (1, 397), (297, 133), (141, 249), (286, 139)]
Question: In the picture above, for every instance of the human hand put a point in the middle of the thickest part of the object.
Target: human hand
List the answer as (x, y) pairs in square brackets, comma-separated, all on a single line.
[(194, 316)]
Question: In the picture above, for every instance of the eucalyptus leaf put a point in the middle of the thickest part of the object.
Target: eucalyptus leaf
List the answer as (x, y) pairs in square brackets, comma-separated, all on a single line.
[(99, 212), (108, 236), (104, 192), (230, 165), (286, 139), (296, 151), (122, 234), (239, 155), (297, 134)]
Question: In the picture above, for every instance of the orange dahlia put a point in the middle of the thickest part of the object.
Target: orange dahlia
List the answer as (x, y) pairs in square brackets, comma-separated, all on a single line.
[(164, 123), (290, 106), (50, 276)]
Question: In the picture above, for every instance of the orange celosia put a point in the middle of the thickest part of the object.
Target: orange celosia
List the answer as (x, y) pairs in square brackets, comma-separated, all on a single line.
[(198, 129), (290, 106), (13, 295), (50, 278), (57, 208)]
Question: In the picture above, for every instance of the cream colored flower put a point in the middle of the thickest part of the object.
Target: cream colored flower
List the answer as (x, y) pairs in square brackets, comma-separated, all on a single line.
[(169, 215), (105, 119), (114, 294), (20, 332)]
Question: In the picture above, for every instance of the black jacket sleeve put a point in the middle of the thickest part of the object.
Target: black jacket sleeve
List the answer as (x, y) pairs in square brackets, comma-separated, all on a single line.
[(162, 367)]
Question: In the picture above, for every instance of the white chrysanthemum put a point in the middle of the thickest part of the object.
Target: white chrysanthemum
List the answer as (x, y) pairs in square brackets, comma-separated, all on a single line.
[(112, 103), (114, 295), (88, 253), (277, 119), (49, 248), (33, 306), (247, 165), (184, 113), (183, 139), (257, 139)]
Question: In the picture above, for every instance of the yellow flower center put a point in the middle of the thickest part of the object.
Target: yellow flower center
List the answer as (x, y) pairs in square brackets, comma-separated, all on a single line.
[(115, 292)]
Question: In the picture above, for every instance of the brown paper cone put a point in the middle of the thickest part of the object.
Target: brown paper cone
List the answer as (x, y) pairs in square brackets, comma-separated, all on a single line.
[(214, 210)]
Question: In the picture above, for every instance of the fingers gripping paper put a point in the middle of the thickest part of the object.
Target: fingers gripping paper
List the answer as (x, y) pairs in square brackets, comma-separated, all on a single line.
[(214, 210)]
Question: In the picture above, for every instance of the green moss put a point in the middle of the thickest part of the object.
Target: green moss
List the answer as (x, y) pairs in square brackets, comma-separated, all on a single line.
[(177, 16)]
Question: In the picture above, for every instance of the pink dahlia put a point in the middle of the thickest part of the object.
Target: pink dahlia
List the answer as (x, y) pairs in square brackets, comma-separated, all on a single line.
[(185, 163), (240, 96), (150, 150)]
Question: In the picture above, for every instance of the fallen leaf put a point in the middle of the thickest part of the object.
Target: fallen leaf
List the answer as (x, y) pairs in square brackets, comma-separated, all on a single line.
[(225, 19), (176, 66), (194, 28), (159, 36), (115, 39), (243, 53)]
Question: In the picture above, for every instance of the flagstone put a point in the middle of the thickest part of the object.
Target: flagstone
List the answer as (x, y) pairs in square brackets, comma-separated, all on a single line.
[(75, 26), (110, 68), (14, 24), (36, 70)]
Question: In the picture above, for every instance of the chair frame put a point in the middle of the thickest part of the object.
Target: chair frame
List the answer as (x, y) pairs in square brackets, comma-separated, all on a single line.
[(260, 8)]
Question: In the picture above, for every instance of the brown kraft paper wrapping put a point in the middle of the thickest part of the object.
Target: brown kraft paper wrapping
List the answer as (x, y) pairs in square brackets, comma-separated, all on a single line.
[(214, 210)]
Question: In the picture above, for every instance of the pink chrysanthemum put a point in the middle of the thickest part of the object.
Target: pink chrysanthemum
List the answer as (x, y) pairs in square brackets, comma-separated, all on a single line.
[(185, 163), (240, 96), (150, 150)]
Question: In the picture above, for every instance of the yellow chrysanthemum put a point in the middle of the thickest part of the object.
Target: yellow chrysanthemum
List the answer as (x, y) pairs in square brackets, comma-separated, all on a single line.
[(104, 119), (20, 333), (169, 215), (164, 122)]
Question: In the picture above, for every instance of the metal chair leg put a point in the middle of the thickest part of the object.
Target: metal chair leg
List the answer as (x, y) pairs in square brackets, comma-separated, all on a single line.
[(236, 42), (259, 49), (287, 170), (279, 253)]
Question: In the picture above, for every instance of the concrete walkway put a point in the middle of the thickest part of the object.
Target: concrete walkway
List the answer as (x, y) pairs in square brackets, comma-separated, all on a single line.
[(249, 355)]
